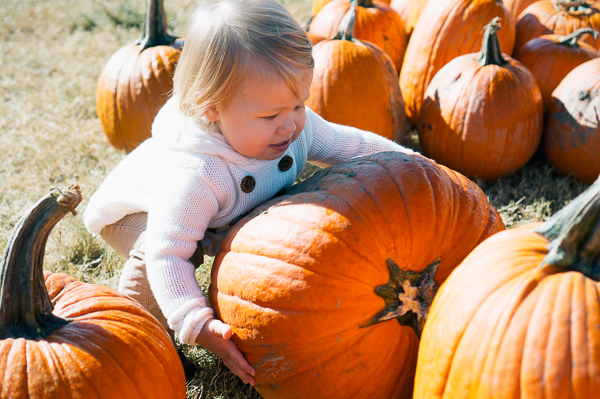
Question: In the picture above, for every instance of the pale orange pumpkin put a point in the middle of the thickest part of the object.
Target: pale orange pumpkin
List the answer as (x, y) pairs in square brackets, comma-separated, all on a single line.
[(65, 339), (445, 30), (520, 316), (137, 81), (312, 282), (355, 84)]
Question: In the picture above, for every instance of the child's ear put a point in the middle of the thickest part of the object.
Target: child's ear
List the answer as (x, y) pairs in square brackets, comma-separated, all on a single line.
[(212, 114)]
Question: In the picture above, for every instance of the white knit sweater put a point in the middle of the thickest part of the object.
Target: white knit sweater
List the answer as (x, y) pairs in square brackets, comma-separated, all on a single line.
[(188, 179)]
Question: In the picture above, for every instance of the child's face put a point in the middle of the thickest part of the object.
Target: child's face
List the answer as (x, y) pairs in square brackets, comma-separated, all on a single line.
[(264, 117)]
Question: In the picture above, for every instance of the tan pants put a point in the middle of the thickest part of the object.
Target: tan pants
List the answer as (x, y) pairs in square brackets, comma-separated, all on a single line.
[(128, 237)]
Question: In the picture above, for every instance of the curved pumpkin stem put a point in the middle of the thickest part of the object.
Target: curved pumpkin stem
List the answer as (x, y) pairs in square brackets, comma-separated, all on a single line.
[(155, 26), (574, 235), (25, 307), (346, 28), (491, 53), (408, 296), (571, 39)]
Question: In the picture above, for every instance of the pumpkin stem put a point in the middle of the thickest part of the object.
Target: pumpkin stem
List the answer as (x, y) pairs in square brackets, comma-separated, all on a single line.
[(571, 5), (571, 38), (491, 53), (364, 3), (408, 296), (346, 28), (155, 26), (25, 306), (574, 235)]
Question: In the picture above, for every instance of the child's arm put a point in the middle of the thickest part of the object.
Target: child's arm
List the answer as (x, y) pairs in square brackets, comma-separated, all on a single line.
[(333, 143), (181, 206)]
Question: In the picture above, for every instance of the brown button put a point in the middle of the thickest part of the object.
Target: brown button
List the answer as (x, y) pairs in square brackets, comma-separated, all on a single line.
[(286, 163), (248, 184)]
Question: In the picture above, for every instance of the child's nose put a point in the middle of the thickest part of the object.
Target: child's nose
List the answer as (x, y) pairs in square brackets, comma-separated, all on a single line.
[(288, 126)]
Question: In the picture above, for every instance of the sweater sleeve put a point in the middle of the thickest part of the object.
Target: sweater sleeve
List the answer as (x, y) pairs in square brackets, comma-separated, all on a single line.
[(180, 208), (333, 143)]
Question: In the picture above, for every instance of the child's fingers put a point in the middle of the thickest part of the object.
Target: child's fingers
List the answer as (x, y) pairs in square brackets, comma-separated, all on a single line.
[(220, 329), (241, 368)]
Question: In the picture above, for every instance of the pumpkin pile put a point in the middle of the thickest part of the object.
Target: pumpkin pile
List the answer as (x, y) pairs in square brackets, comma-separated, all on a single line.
[(327, 287), (65, 339)]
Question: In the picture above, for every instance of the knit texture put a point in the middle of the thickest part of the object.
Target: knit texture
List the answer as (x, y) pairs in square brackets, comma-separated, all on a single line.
[(188, 178)]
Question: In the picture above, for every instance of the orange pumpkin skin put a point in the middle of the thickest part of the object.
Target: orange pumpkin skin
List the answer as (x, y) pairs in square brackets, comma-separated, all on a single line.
[(402, 7), (296, 278), (376, 22), (517, 6), (416, 9), (550, 61), (500, 327), (355, 84), (571, 130), (136, 82), (469, 121), (546, 17), (446, 30), (317, 5)]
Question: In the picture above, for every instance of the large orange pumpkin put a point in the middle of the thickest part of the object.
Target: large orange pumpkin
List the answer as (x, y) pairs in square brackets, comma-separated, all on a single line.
[(355, 84), (402, 7), (325, 287), (376, 22), (551, 57), (520, 316), (70, 340), (445, 30), (571, 138), (136, 82), (482, 114), (559, 17), (318, 4)]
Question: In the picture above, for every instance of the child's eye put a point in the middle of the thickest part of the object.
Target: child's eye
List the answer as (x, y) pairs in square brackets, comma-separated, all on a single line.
[(270, 118)]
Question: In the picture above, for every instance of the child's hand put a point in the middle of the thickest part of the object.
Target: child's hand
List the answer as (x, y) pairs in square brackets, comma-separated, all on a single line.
[(215, 336)]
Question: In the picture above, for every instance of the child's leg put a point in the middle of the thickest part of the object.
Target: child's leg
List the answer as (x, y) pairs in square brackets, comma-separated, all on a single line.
[(127, 237)]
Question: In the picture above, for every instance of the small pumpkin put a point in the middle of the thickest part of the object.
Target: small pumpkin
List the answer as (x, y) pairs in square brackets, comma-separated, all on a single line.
[(61, 338), (571, 138), (355, 84), (445, 30), (469, 121), (551, 57), (559, 17), (326, 286), (376, 22), (136, 82), (520, 316)]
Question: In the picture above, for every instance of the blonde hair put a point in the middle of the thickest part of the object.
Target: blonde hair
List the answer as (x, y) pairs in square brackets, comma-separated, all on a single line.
[(230, 40)]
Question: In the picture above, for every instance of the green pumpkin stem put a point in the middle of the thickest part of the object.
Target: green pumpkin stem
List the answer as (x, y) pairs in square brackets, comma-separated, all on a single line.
[(25, 306), (346, 28), (571, 38), (155, 26), (364, 3), (491, 53), (408, 296), (574, 235)]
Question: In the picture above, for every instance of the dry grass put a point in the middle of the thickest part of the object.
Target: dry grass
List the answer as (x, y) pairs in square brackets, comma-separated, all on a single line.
[(52, 54)]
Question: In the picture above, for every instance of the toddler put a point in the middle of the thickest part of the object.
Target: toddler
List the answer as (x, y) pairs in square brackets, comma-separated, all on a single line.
[(234, 133)]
